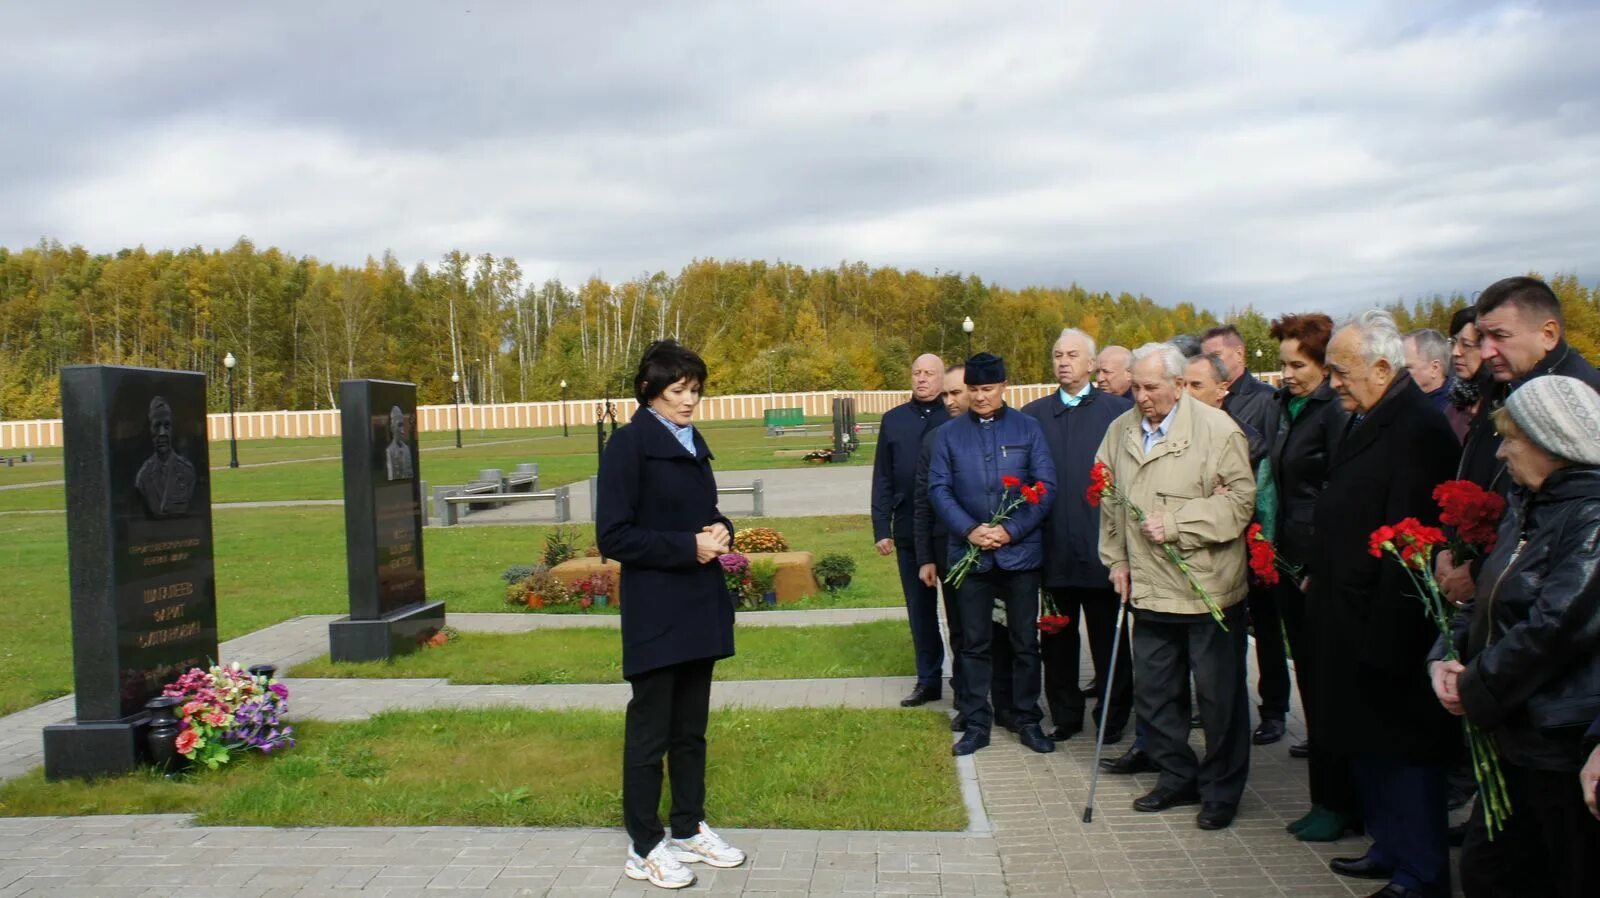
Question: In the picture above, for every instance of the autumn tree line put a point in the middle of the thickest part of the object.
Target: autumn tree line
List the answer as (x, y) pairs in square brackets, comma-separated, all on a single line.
[(298, 326)]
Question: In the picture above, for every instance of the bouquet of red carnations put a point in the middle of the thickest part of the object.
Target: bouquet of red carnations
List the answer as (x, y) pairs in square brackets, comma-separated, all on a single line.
[(1103, 488), (1032, 495)]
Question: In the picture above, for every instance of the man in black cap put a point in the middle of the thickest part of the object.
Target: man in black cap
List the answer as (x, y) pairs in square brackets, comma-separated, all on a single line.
[(974, 460)]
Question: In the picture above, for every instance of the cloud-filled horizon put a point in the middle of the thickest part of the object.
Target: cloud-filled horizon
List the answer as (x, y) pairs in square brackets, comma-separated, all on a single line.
[(1285, 155)]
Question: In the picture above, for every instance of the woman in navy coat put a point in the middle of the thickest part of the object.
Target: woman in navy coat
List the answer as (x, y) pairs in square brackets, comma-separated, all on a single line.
[(658, 517)]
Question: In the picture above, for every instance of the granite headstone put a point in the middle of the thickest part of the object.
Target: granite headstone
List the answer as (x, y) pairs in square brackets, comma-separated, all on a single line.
[(139, 552), (389, 609)]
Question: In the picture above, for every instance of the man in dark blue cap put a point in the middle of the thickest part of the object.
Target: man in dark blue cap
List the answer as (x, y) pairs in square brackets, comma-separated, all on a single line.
[(972, 459)]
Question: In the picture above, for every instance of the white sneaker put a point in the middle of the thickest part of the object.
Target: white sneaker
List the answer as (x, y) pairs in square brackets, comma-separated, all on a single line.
[(706, 847), (660, 867)]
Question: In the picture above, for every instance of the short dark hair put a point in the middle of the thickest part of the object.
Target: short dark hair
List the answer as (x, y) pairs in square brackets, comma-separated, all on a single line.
[(1528, 295), (1219, 368), (666, 362), (1224, 330), (1462, 318), (1313, 330), (1187, 344)]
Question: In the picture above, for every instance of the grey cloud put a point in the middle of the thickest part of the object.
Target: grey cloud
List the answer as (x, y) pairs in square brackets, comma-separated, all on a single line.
[(1277, 154)]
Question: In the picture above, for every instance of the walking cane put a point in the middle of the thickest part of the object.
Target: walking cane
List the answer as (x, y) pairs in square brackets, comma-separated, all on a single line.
[(1105, 709)]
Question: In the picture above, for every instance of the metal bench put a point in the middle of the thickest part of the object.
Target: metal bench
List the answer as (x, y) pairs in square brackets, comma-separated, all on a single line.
[(793, 430), (450, 505), (755, 490)]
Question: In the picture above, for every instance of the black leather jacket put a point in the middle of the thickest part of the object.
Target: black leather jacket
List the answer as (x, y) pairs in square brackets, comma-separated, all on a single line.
[(1300, 457), (1533, 657)]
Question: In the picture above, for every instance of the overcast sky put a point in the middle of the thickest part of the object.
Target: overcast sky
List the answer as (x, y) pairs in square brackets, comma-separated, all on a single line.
[(1287, 155)]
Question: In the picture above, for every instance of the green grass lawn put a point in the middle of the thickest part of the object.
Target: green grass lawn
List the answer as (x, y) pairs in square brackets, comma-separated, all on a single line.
[(594, 655), (274, 564), (785, 769), (316, 473)]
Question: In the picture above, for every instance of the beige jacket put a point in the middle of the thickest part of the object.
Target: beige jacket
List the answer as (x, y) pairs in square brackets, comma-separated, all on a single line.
[(1176, 481)]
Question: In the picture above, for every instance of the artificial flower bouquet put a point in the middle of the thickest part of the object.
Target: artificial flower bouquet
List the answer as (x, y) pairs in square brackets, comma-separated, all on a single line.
[(227, 709)]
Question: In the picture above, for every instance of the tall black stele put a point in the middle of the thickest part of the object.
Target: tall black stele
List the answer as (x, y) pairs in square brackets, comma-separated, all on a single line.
[(389, 608), (139, 555)]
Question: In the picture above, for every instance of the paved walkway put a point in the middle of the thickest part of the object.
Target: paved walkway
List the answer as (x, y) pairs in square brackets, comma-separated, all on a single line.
[(790, 492), (1026, 836)]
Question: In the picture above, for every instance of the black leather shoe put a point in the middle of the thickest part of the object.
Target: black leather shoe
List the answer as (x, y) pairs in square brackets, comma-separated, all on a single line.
[(1393, 891), (1362, 867), (1091, 689), (1195, 722), (1062, 734), (1300, 749), (1034, 738), (1134, 760), (920, 696), (1215, 815), (958, 724), (1113, 737), (970, 741), (1160, 799), (1268, 732)]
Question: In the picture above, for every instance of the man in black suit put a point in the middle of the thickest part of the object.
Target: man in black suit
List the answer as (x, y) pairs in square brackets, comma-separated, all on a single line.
[(894, 469), (1074, 420), (1369, 635)]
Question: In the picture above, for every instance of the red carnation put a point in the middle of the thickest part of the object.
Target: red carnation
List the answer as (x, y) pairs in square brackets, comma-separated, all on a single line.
[(1475, 514), (1009, 482), (1054, 623), (1031, 494)]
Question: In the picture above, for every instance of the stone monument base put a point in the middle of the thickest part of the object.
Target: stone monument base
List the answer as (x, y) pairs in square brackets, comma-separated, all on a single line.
[(87, 750), (398, 633)]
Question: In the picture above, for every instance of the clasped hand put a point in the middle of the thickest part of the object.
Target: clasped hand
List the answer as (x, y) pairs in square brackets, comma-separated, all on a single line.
[(1446, 676), (989, 536), (711, 541)]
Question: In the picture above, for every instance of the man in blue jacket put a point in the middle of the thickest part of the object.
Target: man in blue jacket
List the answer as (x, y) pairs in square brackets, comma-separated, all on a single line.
[(972, 458), (894, 470), (1074, 420)]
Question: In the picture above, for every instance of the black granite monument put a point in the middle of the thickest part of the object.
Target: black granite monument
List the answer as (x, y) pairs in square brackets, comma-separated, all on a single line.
[(389, 609), (144, 605)]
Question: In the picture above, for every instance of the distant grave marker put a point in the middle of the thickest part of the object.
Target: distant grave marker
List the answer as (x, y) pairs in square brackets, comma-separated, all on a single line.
[(389, 609)]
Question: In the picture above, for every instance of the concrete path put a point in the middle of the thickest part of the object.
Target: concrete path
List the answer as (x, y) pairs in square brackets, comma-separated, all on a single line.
[(1027, 837), (790, 492)]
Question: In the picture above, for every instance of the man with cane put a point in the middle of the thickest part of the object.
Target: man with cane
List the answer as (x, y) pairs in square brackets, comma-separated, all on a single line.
[(1167, 458)]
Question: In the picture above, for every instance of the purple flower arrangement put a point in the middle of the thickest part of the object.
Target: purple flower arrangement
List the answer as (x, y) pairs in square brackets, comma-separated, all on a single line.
[(228, 708)]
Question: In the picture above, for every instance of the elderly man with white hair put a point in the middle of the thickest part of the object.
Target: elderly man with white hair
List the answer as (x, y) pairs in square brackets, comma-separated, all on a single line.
[(1368, 633), (1169, 455), (1428, 360)]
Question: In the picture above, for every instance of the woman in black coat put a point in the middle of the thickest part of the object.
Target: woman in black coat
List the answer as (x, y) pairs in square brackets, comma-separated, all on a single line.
[(1370, 633), (1312, 425), (658, 516), (1532, 672)]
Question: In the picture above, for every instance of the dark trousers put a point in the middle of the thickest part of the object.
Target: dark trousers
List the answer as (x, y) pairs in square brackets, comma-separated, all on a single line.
[(1403, 805), (922, 610), (952, 622), (1000, 665), (1097, 608), (1165, 652), (1019, 590), (1272, 662), (1550, 845), (1332, 786), (666, 716)]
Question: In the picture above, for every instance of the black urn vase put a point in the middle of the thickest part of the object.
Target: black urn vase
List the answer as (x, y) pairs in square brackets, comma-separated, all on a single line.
[(263, 670), (162, 736)]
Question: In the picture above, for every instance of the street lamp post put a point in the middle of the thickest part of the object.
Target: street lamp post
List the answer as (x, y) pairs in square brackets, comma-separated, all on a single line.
[(967, 326), (228, 362), (563, 407), (455, 387), (770, 354)]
